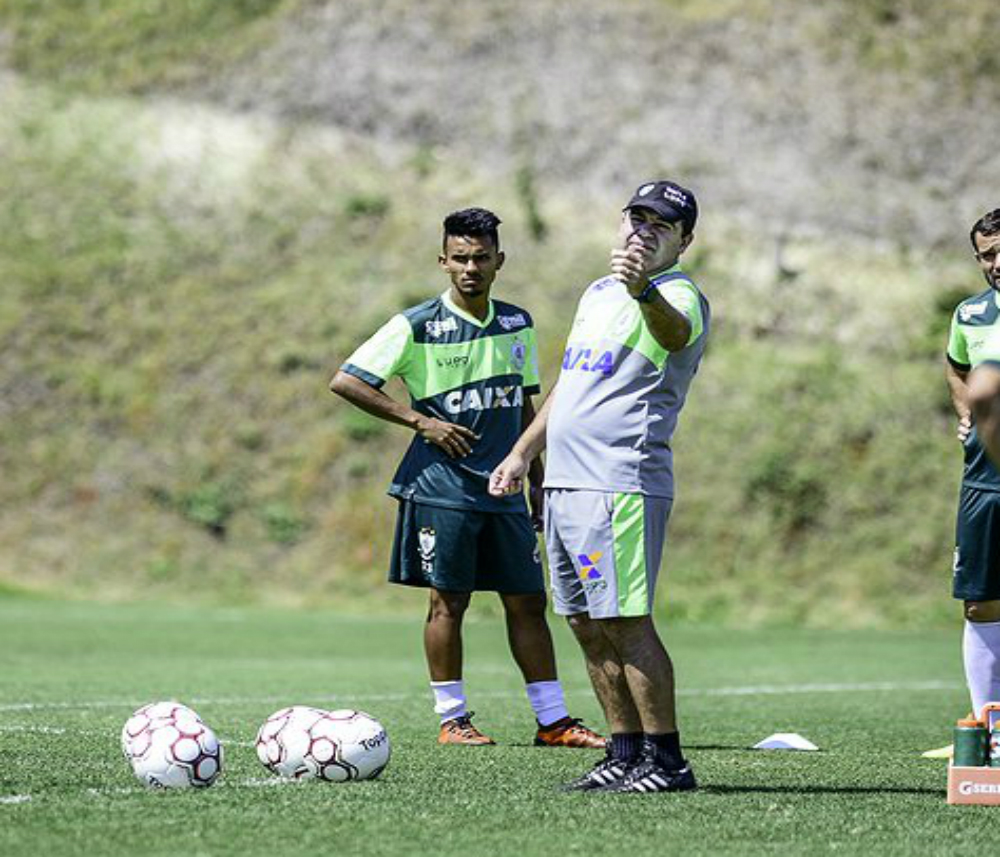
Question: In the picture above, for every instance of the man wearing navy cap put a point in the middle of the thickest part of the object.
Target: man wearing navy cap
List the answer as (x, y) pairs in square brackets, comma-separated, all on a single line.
[(635, 345)]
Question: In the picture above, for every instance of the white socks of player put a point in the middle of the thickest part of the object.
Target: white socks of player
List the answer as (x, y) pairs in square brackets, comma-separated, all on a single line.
[(546, 698), (981, 652), (449, 699)]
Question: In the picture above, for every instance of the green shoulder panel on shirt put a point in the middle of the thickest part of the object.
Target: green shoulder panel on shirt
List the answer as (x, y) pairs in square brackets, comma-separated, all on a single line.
[(957, 350), (436, 368), (974, 335), (683, 297), (387, 352)]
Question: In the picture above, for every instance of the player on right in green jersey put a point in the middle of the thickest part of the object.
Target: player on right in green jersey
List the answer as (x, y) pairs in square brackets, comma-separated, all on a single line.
[(974, 382)]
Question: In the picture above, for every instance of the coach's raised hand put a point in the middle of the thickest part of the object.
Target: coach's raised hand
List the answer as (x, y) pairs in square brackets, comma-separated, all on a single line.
[(628, 264)]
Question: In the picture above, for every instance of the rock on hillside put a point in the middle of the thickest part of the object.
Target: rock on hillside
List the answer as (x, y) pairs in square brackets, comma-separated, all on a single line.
[(846, 118)]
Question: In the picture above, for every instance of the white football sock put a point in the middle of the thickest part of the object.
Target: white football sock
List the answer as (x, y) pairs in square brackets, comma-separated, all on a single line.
[(546, 698), (449, 699), (981, 652)]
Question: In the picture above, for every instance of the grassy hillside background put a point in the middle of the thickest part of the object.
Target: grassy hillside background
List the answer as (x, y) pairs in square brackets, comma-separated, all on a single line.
[(206, 206)]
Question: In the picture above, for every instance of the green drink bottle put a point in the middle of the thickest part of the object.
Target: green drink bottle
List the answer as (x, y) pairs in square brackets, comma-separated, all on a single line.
[(971, 743)]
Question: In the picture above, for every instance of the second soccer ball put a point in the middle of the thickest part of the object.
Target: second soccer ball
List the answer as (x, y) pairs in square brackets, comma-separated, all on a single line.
[(302, 742)]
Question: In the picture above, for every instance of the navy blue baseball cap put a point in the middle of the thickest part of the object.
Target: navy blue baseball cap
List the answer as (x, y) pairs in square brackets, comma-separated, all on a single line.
[(669, 200)]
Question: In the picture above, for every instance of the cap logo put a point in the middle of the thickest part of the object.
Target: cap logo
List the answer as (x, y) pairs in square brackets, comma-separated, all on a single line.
[(646, 188), (673, 195)]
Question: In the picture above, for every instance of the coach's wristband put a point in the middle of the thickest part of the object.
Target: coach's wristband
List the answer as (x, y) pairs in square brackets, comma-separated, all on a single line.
[(647, 294)]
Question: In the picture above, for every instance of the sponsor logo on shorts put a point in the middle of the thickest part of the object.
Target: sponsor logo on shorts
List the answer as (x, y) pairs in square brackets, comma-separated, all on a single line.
[(588, 565), (536, 556), (593, 580), (955, 562), (426, 540)]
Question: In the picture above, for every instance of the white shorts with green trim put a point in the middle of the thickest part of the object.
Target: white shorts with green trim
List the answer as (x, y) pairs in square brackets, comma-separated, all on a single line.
[(604, 551)]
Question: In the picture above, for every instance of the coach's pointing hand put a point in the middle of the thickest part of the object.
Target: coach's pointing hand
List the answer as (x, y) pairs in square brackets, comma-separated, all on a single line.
[(508, 477), (453, 439)]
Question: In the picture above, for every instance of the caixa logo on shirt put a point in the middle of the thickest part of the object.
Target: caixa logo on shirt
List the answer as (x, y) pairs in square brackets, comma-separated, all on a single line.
[(460, 401), (587, 360)]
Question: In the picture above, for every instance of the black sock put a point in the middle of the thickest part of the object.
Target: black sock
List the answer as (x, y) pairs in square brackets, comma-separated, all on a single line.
[(626, 746), (666, 749)]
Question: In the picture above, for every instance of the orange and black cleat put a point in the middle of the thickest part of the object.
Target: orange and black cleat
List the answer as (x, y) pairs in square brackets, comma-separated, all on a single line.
[(459, 730), (569, 732)]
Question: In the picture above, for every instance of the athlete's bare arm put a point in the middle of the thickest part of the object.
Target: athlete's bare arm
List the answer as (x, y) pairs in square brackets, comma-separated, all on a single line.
[(536, 471), (453, 439), (958, 386), (984, 401)]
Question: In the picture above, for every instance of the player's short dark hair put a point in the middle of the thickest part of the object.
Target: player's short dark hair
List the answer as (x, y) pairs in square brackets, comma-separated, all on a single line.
[(988, 224), (472, 223)]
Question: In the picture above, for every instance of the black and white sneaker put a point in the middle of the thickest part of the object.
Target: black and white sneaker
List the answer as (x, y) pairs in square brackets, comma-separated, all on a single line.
[(605, 773), (650, 776)]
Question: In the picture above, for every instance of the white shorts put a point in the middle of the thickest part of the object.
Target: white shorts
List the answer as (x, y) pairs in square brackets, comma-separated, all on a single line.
[(604, 551)]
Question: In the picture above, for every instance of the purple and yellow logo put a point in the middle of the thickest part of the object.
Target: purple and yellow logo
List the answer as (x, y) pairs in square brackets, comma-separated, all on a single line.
[(588, 565)]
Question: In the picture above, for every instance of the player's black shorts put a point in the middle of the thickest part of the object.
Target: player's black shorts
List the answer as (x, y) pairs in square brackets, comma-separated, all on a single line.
[(977, 546), (460, 550)]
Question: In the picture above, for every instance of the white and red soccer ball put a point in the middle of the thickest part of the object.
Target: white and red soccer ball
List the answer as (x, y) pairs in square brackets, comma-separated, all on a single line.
[(169, 746), (309, 743)]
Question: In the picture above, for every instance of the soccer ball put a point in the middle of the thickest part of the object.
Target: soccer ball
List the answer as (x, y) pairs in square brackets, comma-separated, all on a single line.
[(347, 745), (283, 741), (309, 743), (169, 746)]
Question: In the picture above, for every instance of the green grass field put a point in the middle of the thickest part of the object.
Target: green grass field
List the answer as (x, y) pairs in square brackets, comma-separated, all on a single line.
[(71, 673)]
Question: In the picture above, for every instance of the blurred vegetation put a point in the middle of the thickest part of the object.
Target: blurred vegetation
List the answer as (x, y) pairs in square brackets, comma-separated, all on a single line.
[(97, 45), (179, 283)]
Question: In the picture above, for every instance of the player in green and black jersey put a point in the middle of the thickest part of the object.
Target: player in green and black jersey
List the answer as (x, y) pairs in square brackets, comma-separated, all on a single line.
[(469, 364), (974, 382)]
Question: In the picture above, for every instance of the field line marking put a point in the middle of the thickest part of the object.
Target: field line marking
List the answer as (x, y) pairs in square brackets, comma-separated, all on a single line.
[(821, 687), (11, 799), (44, 730), (739, 690)]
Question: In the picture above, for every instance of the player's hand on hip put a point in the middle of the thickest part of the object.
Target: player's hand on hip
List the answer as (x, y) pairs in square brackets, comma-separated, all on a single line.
[(508, 476), (964, 428), (453, 439)]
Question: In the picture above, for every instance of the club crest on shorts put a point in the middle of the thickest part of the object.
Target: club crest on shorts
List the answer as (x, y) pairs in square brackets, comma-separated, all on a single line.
[(426, 540)]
